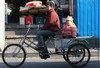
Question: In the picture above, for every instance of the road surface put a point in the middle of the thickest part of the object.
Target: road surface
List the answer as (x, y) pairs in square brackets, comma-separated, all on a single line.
[(52, 62)]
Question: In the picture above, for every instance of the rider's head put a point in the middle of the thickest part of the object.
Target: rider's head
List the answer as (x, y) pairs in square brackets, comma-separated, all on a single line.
[(50, 5)]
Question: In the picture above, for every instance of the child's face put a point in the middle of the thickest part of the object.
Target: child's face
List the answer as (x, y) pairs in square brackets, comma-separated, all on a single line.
[(68, 21)]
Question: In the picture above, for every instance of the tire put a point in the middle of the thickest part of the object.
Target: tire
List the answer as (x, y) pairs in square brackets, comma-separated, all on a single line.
[(13, 55), (76, 62), (65, 55), (78, 55)]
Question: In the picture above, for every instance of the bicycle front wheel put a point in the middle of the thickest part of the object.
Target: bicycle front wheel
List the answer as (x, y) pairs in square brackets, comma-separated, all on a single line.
[(13, 55)]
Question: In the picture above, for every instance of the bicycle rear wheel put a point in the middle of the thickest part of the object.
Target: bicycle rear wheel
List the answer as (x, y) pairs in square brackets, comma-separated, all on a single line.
[(13, 55), (78, 55)]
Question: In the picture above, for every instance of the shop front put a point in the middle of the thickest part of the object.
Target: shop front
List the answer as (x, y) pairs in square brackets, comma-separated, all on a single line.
[(35, 16), (63, 8)]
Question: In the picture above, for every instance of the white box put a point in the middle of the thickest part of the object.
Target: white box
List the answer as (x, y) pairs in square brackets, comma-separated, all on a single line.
[(22, 20), (63, 6), (64, 20)]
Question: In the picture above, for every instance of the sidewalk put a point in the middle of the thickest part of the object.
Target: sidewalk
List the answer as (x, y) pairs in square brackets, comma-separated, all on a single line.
[(32, 53)]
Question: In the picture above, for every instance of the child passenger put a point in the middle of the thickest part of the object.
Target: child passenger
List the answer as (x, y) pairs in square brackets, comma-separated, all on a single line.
[(69, 30)]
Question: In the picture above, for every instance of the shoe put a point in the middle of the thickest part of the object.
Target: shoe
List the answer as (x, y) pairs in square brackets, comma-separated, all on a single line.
[(38, 48), (44, 56)]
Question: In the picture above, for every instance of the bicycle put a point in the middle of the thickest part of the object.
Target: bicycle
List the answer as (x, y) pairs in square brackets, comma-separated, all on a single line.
[(70, 51)]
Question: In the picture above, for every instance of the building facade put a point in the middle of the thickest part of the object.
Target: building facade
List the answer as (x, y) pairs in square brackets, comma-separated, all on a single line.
[(2, 25)]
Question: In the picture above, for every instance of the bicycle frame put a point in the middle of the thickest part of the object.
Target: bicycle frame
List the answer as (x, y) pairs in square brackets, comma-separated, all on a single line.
[(55, 38), (33, 42)]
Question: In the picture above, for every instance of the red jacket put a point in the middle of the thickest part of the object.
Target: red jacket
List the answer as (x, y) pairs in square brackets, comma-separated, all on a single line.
[(52, 21), (69, 30)]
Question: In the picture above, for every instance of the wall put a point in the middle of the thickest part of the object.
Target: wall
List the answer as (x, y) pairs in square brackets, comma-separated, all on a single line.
[(2, 24), (87, 17)]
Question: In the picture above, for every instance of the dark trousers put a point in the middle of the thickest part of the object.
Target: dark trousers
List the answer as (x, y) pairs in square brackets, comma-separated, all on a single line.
[(42, 36)]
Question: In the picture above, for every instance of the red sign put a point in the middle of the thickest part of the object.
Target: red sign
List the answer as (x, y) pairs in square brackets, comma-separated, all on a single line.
[(28, 20)]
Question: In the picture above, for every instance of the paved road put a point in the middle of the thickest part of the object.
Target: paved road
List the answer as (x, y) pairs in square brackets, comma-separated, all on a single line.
[(52, 62)]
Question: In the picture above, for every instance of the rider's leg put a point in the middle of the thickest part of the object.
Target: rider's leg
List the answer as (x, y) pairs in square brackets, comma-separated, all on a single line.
[(42, 36)]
